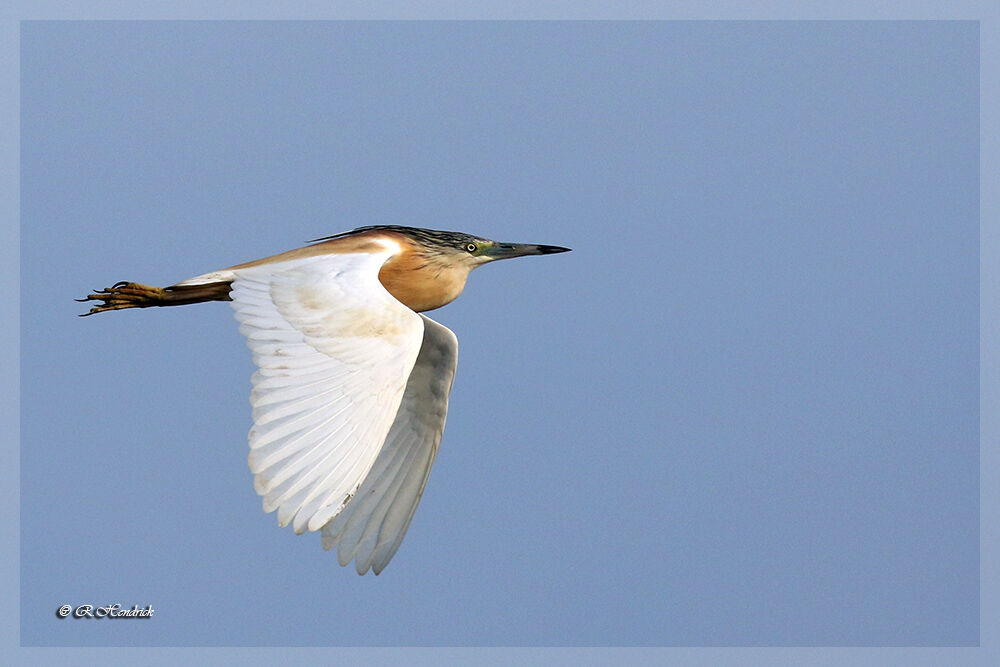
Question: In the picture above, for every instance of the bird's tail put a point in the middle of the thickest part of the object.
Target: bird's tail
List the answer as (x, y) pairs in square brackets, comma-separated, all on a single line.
[(135, 295)]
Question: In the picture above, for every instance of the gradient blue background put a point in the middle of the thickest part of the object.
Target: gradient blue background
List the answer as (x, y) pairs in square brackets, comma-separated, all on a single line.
[(744, 411)]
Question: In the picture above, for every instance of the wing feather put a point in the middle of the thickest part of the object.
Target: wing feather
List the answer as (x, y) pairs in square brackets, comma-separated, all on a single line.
[(373, 524), (333, 352)]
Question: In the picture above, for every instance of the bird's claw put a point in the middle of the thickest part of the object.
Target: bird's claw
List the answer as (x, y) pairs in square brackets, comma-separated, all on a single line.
[(122, 295)]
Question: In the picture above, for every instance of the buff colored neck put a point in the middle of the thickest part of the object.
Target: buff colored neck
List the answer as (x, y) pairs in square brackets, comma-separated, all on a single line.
[(423, 283)]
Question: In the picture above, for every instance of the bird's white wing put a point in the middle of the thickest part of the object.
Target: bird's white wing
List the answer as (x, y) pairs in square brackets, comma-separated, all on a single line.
[(333, 350), (372, 526)]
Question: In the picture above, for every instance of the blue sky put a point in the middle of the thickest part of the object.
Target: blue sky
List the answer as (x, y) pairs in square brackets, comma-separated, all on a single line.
[(744, 411)]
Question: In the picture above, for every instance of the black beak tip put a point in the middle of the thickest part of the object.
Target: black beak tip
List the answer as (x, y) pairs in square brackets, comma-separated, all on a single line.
[(552, 249)]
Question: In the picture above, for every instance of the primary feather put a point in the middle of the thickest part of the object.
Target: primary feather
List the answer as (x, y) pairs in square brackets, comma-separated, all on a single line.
[(372, 526)]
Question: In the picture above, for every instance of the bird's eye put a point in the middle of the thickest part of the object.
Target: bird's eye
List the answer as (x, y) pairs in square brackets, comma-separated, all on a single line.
[(471, 247)]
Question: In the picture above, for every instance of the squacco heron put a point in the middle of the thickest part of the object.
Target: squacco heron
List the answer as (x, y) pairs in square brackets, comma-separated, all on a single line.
[(351, 389)]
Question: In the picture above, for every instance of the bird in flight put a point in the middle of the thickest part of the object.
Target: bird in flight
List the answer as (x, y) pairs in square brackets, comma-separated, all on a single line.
[(351, 390)]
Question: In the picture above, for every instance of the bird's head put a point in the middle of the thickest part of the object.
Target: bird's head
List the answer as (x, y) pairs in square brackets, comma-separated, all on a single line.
[(457, 250)]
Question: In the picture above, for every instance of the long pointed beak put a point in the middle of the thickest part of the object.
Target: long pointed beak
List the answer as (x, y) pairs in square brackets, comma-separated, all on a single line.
[(508, 250)]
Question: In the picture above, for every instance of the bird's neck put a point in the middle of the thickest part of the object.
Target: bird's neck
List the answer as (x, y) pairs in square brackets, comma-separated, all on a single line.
[(422, 283)]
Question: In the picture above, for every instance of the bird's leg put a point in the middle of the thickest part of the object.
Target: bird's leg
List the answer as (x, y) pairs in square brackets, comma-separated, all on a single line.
[(136, 295), (124, 295)]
